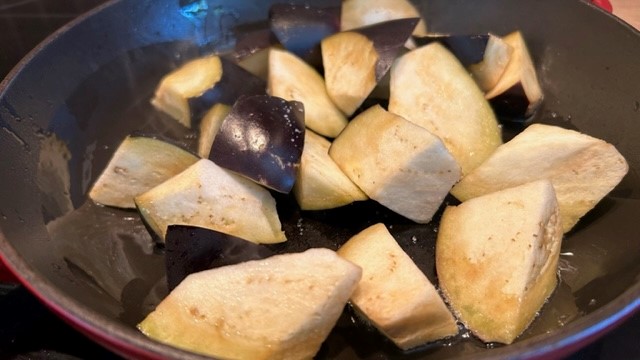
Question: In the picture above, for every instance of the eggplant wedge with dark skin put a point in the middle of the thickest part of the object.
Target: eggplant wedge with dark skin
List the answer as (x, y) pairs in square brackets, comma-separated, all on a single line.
[(139, 164), (189, 91), (234, 83), (517, 94), (191, 249), (359, 13), (207, 195), (251, 51), (356, 60), (293, 79), (485, 55), (300, 28), (262, 138)]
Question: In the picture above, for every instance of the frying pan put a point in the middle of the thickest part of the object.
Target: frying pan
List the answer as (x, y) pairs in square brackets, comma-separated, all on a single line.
[(66, 106)]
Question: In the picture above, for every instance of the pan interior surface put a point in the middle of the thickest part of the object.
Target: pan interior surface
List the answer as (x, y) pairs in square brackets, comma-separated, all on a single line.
[(65, 109)]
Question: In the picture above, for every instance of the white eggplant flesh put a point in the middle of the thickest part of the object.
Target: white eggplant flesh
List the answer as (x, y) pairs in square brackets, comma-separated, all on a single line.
[(321, 184), (209, 196), (282, 307), (292, 79), (209, 127), (190, 80), (430, 88), (139, 164), (396, 163), (583, 169), (394, 294), (497, 258)]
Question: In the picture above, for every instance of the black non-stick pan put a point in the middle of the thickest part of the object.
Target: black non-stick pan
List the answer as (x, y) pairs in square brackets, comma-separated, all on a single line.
[(66, 106)]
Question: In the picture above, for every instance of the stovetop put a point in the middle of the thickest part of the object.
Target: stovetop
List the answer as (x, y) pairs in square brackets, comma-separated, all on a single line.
[(27, 329)]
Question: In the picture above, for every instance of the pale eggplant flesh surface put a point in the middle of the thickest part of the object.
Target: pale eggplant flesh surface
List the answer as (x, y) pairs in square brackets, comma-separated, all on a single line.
[(92, 103), (190, 249), (262, 138)]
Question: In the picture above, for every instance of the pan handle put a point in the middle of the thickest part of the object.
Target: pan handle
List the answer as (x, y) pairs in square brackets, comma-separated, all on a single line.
[(5, 274)]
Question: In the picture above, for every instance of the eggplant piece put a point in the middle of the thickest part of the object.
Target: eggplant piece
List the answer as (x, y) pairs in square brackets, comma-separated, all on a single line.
[(292, 79), (209, 127), (209, 196), (189, 91), (282, 307), (300, 28), (497, 56), (191, 249), (251, 51), (396, 163), (583, 169), (506, 245), (321, 184), (517, 94), (394, 294), (485, 55), (262, 138), (139, 164), (189, 80), (359, 13), (234, 83), (430, 88), (354, 61)]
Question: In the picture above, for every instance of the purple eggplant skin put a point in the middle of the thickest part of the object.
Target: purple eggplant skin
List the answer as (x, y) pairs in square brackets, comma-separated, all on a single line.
[(191, 249), (388, 39), (262, 138), (235, 82), (300, 28), (469, 49), (512, 106), (253, 37)]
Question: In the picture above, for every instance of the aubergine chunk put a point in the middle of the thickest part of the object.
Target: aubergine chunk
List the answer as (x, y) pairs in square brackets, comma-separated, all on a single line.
[(209, 127), (253, 42), (321, 184), (497, 258), (393, 294), (495, 60), (191, 249), (262, 138), (356, 60), (293, 79), (485, 55), (359, 13), (189, 91), (189, 80), (517, 94), (282, 307), (396, 163), (583, 169), (209, 196), (431, 88), (234, 83), (300, 28), (139, 164)]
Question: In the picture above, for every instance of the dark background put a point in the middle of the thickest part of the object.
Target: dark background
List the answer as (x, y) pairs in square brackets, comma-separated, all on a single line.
[(27, 329)]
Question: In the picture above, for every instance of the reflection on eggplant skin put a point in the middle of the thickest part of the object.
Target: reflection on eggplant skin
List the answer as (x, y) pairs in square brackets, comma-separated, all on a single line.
[(111, 250)]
